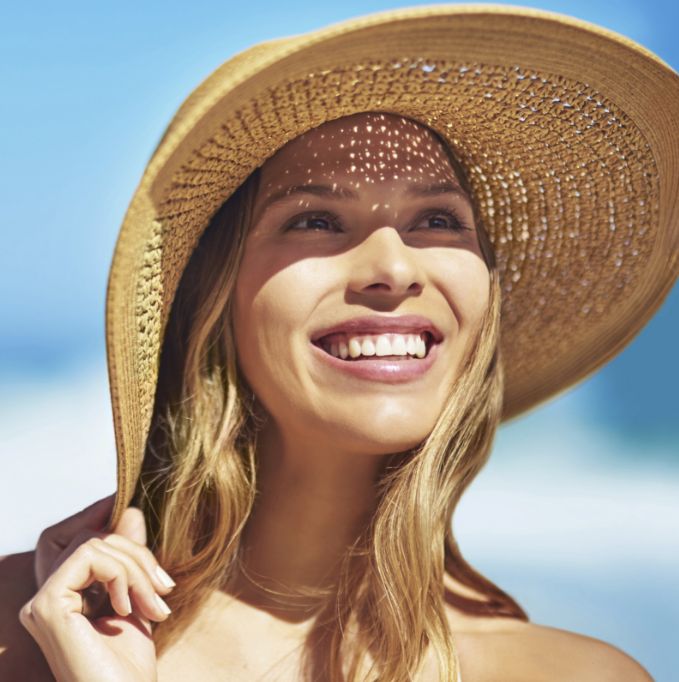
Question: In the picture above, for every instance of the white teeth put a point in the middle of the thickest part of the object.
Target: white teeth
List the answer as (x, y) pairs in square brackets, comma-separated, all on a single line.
[(399, 346), (367, 347), (354, 348), (379, 345), (382, 347), (412, 345)]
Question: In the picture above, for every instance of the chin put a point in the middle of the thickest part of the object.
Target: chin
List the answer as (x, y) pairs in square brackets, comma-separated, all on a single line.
[(382, 435)]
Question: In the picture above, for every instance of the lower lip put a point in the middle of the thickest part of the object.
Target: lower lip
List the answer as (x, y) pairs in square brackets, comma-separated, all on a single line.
[(388, 371)]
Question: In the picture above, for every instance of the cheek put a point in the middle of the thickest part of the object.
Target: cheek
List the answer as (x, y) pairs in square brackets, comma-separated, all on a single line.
[(465, 281), (272, 309), (476, 293)]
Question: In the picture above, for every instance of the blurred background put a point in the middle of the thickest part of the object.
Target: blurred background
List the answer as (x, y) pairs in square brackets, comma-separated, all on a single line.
[(577, 513)]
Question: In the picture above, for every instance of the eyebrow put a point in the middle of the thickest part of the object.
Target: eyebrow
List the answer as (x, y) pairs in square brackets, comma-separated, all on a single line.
[(339, 192)]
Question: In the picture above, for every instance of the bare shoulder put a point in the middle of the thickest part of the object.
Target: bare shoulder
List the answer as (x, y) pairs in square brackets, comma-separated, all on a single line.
[(20, 656), (519, 651)]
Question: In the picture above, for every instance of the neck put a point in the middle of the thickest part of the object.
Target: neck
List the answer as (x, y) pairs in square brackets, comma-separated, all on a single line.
[(312, 503)]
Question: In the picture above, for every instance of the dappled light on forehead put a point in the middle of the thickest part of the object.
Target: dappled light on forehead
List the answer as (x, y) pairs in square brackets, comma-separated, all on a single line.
[(361, 149)]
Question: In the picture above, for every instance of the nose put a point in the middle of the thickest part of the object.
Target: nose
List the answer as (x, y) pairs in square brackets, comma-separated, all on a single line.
[(381, 262)]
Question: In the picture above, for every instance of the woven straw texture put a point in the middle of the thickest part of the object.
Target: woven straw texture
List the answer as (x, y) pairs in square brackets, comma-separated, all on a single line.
[(568, 135)]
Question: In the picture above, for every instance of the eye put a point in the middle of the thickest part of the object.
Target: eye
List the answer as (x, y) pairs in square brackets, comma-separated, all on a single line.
[(443, 220), (313, 222)]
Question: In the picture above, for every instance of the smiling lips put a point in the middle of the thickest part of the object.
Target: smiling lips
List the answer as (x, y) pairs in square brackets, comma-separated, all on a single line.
[(379, 347), (370, 346)]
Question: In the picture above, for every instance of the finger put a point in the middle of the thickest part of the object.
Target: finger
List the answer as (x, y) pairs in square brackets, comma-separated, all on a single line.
[(132, 525), (86, 565), (144, 557), (48, 560), (54, 539), (145, 599), (26, 618)]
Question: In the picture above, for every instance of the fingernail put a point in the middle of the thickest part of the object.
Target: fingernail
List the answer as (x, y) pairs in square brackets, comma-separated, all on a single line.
[(163, 606), (128, 605), (164, 577)]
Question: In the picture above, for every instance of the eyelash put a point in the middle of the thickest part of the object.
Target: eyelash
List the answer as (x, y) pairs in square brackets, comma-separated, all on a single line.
[(458, 225)]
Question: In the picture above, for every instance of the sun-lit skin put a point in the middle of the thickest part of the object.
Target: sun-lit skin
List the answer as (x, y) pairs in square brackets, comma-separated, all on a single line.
[(293, 282), (383, 252)]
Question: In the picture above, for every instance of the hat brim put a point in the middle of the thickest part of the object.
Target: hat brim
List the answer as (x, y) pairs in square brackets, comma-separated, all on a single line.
[(566, 130)]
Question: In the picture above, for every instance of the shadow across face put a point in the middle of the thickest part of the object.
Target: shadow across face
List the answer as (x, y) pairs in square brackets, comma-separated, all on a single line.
[(364, 215)]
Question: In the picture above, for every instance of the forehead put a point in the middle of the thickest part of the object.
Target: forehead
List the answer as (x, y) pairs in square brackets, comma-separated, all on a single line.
[(362, 148)]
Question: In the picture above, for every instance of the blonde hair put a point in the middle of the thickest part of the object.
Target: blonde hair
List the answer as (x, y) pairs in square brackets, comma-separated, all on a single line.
[(198, 483)]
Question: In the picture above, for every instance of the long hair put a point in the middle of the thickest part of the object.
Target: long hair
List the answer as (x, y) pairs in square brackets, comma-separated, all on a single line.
[(198, 483)]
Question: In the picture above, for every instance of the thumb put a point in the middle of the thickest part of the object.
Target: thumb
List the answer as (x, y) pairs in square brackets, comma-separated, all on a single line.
[(132, 525)]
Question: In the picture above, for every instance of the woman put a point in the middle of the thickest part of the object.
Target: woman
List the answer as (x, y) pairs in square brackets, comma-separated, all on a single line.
[(334, 366)]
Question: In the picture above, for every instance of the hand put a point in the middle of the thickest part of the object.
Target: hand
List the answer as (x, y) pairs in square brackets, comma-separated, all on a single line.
[(60, 540), (109, 648)]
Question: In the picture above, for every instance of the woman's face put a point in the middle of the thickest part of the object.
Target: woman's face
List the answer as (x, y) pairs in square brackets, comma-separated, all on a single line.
[(360, 217)]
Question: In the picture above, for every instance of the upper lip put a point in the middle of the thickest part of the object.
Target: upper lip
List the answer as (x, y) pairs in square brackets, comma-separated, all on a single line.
[(382, 324)]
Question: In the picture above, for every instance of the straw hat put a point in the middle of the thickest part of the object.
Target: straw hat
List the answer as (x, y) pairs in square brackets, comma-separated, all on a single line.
[(567, 131)]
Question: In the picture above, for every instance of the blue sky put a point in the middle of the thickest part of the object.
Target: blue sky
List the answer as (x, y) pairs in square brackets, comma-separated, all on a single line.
[(88, 88)]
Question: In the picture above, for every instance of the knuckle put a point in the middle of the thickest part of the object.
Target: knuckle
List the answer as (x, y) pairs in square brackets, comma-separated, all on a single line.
[(25, 612), (85, 551), (39, 609), (112, 539), (97, 542)]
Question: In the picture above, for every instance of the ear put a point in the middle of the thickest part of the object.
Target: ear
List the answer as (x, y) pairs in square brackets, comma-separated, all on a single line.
[(132, 525)]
